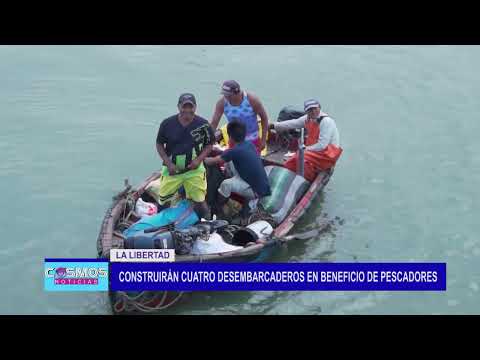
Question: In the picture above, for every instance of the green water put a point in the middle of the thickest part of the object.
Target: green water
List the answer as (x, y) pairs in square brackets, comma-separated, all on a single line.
[(77, 120)]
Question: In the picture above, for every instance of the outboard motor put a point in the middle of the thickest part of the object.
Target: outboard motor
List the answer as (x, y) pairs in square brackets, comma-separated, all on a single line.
[(150, 240), (185, 239), (290, 113)]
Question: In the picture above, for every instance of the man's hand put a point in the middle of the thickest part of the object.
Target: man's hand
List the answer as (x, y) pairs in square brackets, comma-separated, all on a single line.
[(194, 164), (218, 136), (172, 169)]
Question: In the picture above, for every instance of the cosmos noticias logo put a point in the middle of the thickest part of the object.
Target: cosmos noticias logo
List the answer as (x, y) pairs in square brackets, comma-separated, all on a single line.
[(76, 275), (60, 273), (79, 275)]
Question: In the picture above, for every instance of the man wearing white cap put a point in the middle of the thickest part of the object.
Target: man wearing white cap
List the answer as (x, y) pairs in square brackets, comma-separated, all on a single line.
[(322, 148)]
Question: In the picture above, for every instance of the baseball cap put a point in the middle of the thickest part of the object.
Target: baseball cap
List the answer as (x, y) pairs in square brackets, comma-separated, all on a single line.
[(230, 87), (310, 103), (187, 98)]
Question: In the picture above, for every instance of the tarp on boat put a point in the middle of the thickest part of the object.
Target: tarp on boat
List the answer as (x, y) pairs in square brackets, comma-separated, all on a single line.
[(287, 189)]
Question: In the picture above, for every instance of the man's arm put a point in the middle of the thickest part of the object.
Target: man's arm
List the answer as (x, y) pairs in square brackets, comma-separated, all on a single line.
[(290, 124), (217, 114), (260, 110), (166, 160), (162, 153), (205, 151), (160, 144), (213, 160), (326, 133), (225, 157), (199, 159)]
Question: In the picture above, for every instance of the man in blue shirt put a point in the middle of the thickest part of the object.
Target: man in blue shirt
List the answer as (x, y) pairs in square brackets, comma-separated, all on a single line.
[(250, 179)]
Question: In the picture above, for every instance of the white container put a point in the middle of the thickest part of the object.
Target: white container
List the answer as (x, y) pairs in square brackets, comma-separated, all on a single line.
[(251, 233), (261, 228)]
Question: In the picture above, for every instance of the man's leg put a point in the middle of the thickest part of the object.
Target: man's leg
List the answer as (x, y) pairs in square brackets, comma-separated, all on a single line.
[(202, 210), (196, 190), (236, 185), (223, 194), (240, 187), (167, 189)]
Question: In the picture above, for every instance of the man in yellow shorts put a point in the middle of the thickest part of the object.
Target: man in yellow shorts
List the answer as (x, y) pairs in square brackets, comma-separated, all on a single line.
[(184, 140)]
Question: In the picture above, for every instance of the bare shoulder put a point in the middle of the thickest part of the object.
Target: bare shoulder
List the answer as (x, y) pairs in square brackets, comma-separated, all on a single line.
[(220, 103), (254, 100), (252, 97)]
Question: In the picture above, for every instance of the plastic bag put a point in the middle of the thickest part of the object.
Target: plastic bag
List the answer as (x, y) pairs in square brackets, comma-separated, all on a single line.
[(182, 215), (143, 208)]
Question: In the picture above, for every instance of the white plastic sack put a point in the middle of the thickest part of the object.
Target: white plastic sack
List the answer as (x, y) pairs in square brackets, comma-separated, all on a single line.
[(261, 228), (214, 245), (143, 208)]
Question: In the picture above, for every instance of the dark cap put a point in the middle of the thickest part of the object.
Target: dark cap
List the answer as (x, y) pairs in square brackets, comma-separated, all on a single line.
[(230, 87), (311, 103), (187, 99)]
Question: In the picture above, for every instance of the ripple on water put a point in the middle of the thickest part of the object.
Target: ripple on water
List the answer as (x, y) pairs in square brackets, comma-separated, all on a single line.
[(359, 304), (469, 244), (453, 303)]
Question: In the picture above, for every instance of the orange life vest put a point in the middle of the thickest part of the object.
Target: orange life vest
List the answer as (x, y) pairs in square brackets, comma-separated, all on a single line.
[(313, 132), (315, 161)]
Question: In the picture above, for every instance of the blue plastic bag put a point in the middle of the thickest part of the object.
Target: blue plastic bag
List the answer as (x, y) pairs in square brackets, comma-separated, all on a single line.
[(166, 217)]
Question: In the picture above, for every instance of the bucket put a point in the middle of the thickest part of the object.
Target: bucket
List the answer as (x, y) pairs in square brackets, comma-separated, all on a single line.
[(251, 233)]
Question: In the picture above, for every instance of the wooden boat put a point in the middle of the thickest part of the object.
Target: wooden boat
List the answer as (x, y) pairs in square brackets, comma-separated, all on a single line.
[(120, 216)]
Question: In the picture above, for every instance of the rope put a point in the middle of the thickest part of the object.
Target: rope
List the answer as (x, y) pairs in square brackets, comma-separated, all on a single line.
[(160, 306), (125, 302), (261, 214), (130, 303)]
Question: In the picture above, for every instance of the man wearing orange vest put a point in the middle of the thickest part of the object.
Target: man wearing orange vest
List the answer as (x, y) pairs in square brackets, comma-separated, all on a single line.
[(323, 140)]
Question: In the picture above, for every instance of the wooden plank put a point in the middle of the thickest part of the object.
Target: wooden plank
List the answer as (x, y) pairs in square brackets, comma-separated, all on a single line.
[(107, 235)]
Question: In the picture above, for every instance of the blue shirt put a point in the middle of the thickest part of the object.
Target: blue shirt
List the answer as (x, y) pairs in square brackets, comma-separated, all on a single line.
[(245, 113), (249, 166)]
